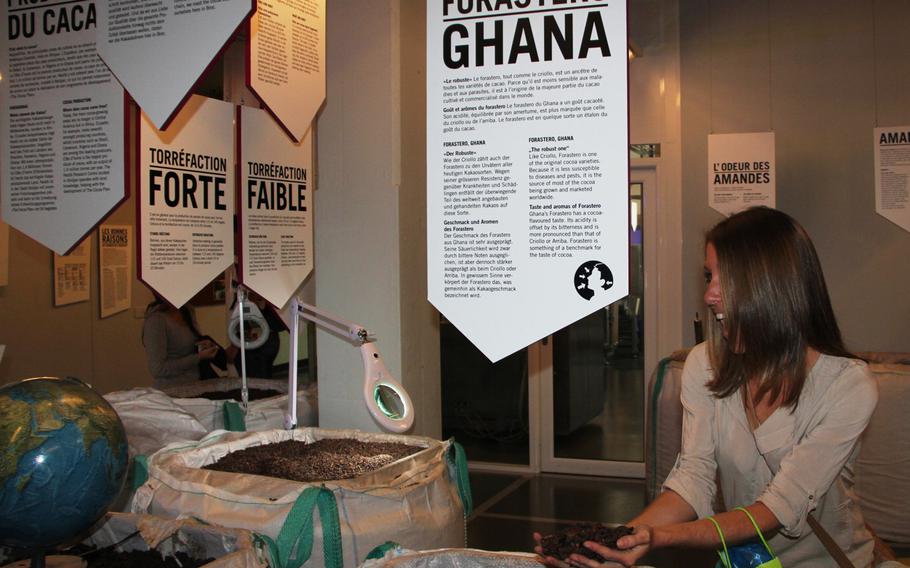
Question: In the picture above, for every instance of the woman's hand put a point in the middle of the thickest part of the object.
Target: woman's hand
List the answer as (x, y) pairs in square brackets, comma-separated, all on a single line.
[(629, 550), (207, 350), (632, 548), (548, 560)]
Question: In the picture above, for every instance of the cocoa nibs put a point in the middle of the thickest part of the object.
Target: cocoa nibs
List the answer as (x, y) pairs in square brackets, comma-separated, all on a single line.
[(235, 394), (323, 460), (562, 544)]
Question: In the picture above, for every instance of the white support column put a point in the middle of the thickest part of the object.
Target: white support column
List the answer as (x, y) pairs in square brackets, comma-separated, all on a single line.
[(356, 203), (365, 223)]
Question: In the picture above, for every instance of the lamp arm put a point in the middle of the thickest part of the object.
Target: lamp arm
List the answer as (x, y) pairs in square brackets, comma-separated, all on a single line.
[(355, 332)]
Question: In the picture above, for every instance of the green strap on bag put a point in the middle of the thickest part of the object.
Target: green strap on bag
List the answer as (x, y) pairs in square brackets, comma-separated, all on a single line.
[(140, 471), (381, 550), (294, 544), (233, 417), (458, 467), (725, 555), (263, 542)]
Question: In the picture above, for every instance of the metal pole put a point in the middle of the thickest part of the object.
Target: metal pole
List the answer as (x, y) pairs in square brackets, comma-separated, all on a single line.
[(291, 418), (244, 392)]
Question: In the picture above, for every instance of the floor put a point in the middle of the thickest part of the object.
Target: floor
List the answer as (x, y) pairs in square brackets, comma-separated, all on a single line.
[(615, 433), (508, 509)]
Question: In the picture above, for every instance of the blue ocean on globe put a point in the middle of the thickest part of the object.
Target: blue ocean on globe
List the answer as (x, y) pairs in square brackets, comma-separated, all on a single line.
[(63, 459)]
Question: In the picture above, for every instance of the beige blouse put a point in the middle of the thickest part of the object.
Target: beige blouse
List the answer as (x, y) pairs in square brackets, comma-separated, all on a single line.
[(170, 349), (812, 450)]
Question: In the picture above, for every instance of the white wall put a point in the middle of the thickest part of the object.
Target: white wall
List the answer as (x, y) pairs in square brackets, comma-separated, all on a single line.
[(654, 117), (42, 340), (822, 75)]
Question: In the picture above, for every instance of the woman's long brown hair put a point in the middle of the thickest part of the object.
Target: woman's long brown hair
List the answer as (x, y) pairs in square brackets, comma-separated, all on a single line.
[(776, 304)]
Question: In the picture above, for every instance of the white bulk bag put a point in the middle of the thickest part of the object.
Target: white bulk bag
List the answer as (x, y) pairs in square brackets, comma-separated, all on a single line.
[(414, 501), (263, 414), (459, 558), (231, 548), (454, 558)]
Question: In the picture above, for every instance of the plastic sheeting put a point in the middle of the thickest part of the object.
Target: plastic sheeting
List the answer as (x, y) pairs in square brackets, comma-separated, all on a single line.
[(454, 558), (882, 468), (231, 548), (154, 418)]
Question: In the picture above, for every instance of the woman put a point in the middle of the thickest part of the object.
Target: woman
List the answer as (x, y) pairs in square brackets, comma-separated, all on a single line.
[(173, 346), (773, 407)]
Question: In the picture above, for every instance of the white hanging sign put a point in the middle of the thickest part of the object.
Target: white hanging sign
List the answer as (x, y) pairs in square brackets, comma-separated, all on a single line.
[(892, 174), (186, 199), (63, 116), (276, 213), (741, 171), (158, 49), (287, 60), (527, 166)]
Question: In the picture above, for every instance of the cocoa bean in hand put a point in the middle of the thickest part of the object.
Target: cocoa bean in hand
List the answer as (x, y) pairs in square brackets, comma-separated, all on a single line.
[(567, 541)]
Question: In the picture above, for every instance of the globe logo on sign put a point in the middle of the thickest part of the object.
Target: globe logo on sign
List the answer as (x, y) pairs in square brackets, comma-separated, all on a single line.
[(592, 279)]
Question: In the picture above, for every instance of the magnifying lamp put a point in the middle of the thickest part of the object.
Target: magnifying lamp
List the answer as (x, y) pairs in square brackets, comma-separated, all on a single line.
[(256, 328), (385, 398)]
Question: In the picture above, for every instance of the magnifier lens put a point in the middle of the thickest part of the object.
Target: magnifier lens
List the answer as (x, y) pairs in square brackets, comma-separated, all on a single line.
[(389, 402)]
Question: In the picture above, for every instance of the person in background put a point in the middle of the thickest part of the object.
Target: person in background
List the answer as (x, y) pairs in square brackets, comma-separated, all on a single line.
[(773, 408), (174, 348)]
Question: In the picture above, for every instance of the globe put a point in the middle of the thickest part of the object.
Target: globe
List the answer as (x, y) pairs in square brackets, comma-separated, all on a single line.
[(63, 460)]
